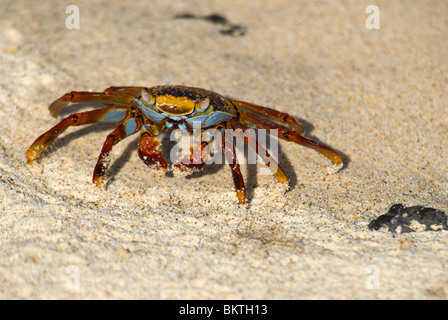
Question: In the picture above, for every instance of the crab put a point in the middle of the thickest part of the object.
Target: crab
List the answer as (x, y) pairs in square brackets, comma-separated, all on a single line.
[(166, 107)]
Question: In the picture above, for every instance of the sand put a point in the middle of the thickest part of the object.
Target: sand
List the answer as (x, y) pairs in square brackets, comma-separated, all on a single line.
[(378, 96)]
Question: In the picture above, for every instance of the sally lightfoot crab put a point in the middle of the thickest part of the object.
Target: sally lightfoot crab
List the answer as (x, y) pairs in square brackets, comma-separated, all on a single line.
[(150, 110)]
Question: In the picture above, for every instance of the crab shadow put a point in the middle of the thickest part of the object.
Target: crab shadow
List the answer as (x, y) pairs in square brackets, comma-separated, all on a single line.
[(309, 128), (72, 136)]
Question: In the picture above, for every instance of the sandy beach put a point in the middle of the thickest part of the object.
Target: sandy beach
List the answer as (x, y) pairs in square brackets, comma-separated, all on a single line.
[(377, 96)]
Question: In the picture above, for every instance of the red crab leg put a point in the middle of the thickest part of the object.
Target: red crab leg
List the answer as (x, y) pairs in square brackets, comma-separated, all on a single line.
[(289, 134), (238, 180), (251, 140), (269, 113), (128, 90), (89, 97), (147, 152), (125, 129), (75, 119)]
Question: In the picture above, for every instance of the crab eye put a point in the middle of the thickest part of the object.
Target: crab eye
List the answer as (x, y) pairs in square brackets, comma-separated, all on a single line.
[(204, 104), (147, 96)]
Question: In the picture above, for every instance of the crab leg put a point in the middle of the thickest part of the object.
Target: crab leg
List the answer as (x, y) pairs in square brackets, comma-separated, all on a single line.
[(125, 129), (251, 140), (289, 134), (238, 180), (112, 98), (147, 152), (75, 119), (268, 113), (128, 90)]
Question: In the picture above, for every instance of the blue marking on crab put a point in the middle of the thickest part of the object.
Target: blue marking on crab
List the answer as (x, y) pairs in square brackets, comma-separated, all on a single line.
[(130, 126), (151, 114), (210, 119), (114, 115)]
